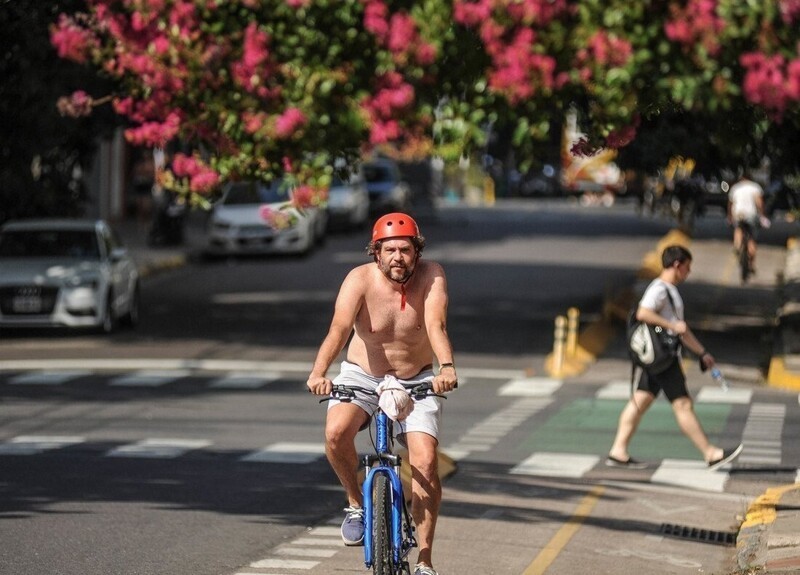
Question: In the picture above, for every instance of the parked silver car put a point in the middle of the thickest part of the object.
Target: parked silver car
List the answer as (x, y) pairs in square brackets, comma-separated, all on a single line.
[(65, 272), (237, 225)]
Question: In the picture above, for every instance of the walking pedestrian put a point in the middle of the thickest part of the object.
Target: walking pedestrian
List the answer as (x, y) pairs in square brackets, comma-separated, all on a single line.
[(661, 305)]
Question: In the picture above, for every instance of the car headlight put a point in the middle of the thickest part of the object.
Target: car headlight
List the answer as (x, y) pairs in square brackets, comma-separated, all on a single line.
[(82, 282)]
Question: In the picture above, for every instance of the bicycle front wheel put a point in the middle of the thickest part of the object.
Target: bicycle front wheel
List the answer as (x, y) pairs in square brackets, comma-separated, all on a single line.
[(382, 526)]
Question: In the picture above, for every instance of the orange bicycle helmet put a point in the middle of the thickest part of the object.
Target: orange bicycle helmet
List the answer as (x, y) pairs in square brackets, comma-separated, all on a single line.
[(393, 226)]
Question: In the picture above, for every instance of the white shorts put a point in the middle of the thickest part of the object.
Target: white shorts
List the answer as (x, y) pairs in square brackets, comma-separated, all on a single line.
[(427, 411)]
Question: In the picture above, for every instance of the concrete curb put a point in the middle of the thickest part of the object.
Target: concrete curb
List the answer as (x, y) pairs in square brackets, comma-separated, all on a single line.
[(784, 367), (756, 538)]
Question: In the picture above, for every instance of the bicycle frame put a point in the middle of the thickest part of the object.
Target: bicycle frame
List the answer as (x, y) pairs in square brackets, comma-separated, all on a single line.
[(388, 464)]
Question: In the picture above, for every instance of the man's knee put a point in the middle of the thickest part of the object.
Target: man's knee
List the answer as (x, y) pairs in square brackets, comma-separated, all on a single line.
[(682, 404), (342, 428)]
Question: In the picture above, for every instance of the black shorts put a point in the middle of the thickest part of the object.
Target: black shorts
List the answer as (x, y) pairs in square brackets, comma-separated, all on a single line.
[(672, 381)]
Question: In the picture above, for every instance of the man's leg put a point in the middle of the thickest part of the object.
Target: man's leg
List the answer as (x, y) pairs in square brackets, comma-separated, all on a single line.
[(683, 408), (426, 490), (341, 427), (737, 236), (628, 423)]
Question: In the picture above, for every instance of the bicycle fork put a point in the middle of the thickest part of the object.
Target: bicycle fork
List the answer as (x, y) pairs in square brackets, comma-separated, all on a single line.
[(401, 542)]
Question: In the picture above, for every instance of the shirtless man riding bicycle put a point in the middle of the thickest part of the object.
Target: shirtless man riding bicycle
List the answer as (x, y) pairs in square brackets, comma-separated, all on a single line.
[(396, 310)]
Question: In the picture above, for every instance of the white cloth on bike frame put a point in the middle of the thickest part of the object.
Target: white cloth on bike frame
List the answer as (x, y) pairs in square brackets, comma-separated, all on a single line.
[(393, 399)]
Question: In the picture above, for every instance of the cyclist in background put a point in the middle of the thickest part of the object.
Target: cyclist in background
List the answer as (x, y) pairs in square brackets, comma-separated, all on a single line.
[(396, 310), (746, 208)]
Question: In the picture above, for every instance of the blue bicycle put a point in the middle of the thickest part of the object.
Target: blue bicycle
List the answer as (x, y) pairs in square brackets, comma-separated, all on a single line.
[(390, 533)]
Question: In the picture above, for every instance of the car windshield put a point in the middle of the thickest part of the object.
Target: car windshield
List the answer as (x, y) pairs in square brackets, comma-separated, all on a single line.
[(242, 193), (374, 173), (49, 243)]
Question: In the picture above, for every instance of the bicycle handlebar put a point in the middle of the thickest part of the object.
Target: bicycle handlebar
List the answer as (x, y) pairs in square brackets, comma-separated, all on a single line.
[(346, 393)]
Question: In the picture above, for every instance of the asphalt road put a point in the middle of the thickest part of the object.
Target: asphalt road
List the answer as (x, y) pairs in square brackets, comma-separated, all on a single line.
[(190, 446)]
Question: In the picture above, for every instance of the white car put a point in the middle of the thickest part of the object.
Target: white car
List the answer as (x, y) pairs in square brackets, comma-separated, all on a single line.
[(237, 225), (67, 273), (348, 202)]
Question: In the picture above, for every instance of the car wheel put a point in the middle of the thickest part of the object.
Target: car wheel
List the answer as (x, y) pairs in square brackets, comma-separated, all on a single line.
[(131, 319), (109, 324)]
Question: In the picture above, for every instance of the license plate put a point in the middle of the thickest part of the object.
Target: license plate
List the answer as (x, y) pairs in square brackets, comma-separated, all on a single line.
[(26, 304)]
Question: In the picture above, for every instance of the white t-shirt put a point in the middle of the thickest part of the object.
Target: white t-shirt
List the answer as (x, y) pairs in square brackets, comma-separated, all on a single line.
[(655, 298), (743, 197)]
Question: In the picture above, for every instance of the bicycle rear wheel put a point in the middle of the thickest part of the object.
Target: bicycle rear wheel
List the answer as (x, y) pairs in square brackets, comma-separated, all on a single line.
[(382, 526)]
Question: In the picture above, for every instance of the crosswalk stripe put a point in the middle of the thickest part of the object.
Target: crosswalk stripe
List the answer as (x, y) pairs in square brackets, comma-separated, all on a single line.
[(47, 377), (531, 387), (158, 448), (762, 434), (714, 394), (318, 541), (556, 465), (306, 552), (33, 444), (283, 564), (616, 389), (149, 378), (287, 452), (689, 473), (484, 435), (244, 380)]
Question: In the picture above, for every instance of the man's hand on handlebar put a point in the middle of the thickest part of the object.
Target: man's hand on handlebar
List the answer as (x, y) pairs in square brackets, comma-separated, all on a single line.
[(447, 380), (319, 385)]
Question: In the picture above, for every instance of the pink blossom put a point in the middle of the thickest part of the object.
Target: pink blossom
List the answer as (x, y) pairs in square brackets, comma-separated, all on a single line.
[(298, 3), (402, 32), (697, 22), (382, 132), (375, 19), (155, 133), (305, 197), (472, 13), (790, 11), (205, 181), (252, 68), (78, 104), (71, 41), (621, 137), (277, 219), (426, 54), (160, 45), (255, 46), (765, 83), (290, 122), (253, 122)]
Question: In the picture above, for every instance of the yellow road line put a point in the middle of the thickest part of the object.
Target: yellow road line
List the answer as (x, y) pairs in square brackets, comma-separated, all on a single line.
[(559, 541)]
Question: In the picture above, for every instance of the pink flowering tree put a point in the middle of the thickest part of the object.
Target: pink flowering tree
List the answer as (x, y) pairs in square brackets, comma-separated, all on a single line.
[(258, 88)]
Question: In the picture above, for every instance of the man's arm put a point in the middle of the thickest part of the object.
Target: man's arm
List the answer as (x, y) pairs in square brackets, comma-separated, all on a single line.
[(347, 304), (688, 339), (436, 325)]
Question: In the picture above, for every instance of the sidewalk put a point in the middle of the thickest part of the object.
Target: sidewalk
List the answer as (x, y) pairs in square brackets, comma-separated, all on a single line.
[(769, 536), (152, 259)]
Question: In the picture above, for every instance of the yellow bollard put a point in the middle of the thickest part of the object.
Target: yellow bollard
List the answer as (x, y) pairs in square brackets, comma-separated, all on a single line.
[(573, 316), (558, 345)]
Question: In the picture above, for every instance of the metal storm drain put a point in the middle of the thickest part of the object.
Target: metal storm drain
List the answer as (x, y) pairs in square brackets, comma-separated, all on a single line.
[(697, 534)]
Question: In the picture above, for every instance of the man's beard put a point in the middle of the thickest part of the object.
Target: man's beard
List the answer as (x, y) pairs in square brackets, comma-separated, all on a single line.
[(399, 274)]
